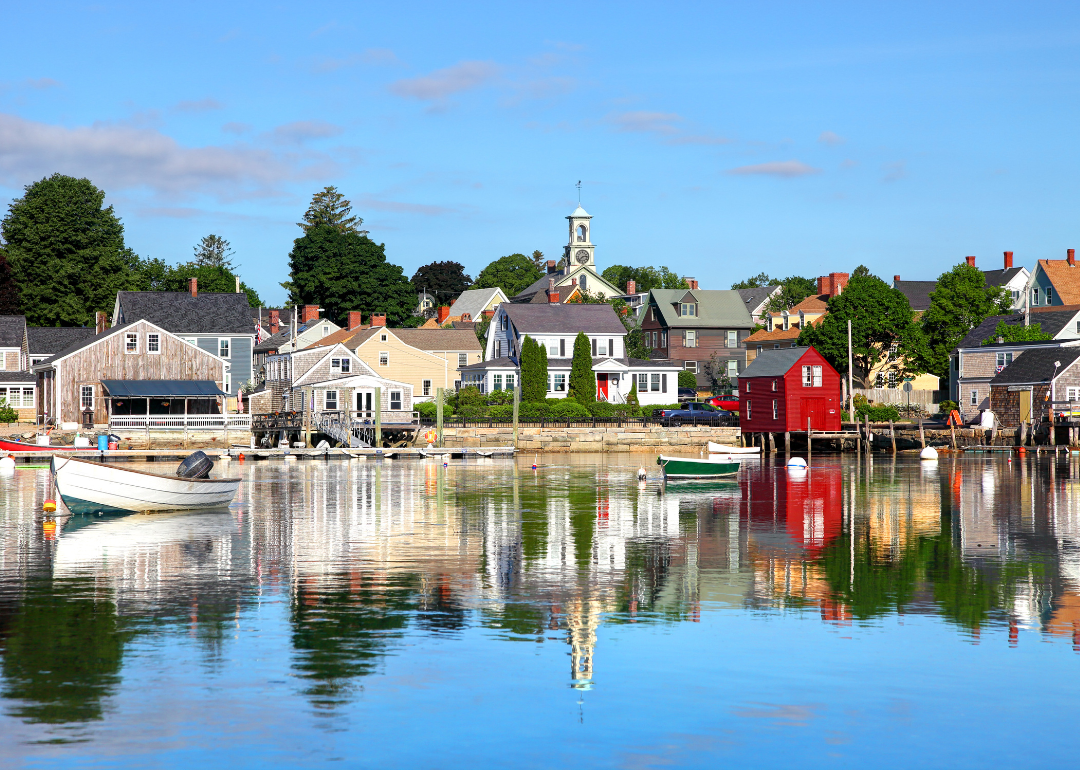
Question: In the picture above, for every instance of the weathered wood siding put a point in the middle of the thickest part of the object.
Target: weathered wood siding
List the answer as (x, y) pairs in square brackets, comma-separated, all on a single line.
[(106, 360), (11, 360)]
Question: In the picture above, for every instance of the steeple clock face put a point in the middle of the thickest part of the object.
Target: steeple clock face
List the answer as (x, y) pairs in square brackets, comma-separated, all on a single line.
[(582, 257)]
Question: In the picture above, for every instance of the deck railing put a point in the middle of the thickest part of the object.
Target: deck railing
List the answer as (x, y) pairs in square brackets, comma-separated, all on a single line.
[(180, 422)]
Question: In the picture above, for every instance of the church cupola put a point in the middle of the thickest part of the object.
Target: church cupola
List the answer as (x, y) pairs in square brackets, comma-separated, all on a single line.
[(579, 251)]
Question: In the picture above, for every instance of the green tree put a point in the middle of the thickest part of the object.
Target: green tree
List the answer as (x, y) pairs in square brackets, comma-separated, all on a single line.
[(632, 398), (582, 380), (645, 278), (756, 282), (155, 275), (881, 317), (66, 252), (1017, 333), (9, 290), (539, 261), (341, 270), (542, 372), (214, 251), (331, 208), (794, 289), (7, 414), (687, 379), (480, 327), (532, 389), (960, 301), (513, 274), (442, 280)]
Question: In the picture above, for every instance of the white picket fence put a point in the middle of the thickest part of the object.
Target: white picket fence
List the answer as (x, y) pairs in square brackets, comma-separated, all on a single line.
[(180, 422)]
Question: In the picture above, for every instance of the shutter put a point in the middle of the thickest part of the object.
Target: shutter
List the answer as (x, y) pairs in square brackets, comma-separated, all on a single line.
[(611, 348), (663, 383), (594, 348), (562, 348)]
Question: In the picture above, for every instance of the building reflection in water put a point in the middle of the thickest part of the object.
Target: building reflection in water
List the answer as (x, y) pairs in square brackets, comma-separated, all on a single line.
[(367, 553)]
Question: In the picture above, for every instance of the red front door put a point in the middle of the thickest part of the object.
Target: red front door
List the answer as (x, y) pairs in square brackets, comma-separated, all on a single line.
[(814, 410), (601, 386)]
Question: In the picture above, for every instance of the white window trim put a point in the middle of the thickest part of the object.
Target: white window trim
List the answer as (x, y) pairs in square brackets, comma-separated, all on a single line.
[(148, 350), (228, 346), (326, 395), (401, 400), (82, 406), (128, 335), (425, 386), (383, 353)]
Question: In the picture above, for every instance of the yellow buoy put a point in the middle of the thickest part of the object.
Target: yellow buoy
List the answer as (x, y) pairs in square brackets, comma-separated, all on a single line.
[(50, 506)]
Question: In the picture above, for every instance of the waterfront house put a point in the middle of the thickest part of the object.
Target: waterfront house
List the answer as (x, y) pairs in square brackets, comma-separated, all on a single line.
[(1012, 279), (780, 390), (217, 322), (131, 374), (1054, 282), (695, 328), (17, 385), (1027, 388)]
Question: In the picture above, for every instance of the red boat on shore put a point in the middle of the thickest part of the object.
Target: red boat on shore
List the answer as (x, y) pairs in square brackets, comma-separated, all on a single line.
[(7, 445)]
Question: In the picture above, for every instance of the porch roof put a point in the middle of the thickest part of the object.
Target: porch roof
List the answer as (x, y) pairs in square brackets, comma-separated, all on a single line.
[(162, 388)]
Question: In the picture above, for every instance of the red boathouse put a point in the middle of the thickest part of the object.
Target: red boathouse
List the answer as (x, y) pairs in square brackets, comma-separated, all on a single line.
[(781, 389)]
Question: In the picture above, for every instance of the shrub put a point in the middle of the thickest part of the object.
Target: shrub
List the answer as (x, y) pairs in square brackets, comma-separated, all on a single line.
[(470, 396), (427, 409), (535, 411), (501, 413), (601, 410), (946, 406), (879, 413), (500, 397), (473, 413), (582, 379), (632, 399), (7, 414), (687, 379), (570, 410)]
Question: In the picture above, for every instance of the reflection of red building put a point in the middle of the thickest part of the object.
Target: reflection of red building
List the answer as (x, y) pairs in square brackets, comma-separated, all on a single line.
[(807, 506)]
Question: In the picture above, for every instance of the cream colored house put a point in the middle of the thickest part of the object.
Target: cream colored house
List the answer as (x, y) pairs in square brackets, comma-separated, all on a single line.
[(427, 359)]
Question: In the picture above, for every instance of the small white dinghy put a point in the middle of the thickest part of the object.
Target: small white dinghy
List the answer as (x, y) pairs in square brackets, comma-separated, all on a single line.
[(91, 487), (724, 449)]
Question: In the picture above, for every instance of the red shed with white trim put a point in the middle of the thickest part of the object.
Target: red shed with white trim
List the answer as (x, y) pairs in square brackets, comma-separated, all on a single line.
[(780, 389)]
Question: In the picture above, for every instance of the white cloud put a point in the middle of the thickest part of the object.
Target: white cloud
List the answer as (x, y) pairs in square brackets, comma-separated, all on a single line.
[(440, 84), (126, 157), (787, 169), (829, 138), (233, 127), (644, 121), (377, 56), (894, 171), (199, 105), (301, 131)]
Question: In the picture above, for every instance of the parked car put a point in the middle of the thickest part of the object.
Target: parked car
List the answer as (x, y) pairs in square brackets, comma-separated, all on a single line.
[(687, 394), (728, 403), (693, 413)]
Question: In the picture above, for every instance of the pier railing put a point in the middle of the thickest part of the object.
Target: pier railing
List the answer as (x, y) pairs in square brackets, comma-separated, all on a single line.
[(180, 422)]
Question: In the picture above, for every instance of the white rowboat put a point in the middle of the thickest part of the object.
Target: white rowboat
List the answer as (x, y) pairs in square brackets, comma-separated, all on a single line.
[(90, 487), (724, 449)]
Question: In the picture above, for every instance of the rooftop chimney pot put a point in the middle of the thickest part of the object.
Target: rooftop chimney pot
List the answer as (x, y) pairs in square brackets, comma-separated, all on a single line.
[(309, 313), (193, 286), (378, 319), (631, 287), (552, 266), (971, 261), (275, 321), (895, 279), (1008, 260), (1071, 257), (356, 319), (441, 314)]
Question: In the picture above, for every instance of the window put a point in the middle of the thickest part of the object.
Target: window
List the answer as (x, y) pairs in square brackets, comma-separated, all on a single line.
[(811, 376), (509, 382), (27, 397), (462, 359), (384, 358), (325, 330), (892, 351), (227, 383), (974, 398), (346, 365), (690, 366), (1003, 360), (1072, 394), (603, 349), (582, 234), (690, 338), (223, 347), (496, 382), (643, 383), (656, 382), (1034, 296), (86, 397), (733, 339), (1078, 327), (663, 339), (776, 346), (131, 342), (560, 383), (817, 376), (787, 322), (732, 367), (759, 347), (553, 348), (582, 282), (427, 387), (505, 322), (549, 382), (335, 364), (880, 381), (382, 338), (748, 410), (688, 309), (1015, 296), (774, 386), (775, 408), (395, 400), (652, 314), (330, 401), (794, 344), (1049, 295), (153, 343)]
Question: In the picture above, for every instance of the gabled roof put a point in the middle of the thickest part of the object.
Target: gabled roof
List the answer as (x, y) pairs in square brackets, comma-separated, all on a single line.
[(753, 298), (815, 303), (1002, 276), (273, 342), (329, 352), (180, 313), (1052, 322), (474, 301), (1036, 366), (715, 307), (564, 319), (342, 335), (439, 339), (27, 377), (773, 363), (1065, 277), (43, 340), (79, 345), (917, 292), (12, 330), (762, 336)]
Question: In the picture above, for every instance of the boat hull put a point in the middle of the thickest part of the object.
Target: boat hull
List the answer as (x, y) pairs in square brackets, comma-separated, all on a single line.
[(89, 487), (6, 445), (724, 449), (676, 468)]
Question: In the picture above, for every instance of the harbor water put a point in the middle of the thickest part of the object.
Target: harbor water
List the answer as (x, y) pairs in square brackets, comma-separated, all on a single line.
[(399, 613)]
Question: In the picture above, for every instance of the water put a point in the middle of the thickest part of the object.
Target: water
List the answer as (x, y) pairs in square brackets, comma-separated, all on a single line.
[(402, 614)]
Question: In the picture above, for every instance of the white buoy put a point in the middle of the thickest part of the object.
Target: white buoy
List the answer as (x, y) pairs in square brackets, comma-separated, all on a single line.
[(928, 453), (7, 464), (642, 474), (796, 462)]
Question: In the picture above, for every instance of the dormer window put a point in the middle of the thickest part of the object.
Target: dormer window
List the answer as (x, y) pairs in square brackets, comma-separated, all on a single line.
[(769, 323), (787, 322), (802, 320), (688, 309)]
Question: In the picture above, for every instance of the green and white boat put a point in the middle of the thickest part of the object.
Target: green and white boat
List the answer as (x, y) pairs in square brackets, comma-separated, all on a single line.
[(690, 468)]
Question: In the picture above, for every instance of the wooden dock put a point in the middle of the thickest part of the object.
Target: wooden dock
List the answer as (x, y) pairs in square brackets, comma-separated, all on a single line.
[(233, 453)]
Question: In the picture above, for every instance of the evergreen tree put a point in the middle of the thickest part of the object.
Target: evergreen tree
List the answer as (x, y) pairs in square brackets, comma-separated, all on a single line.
[(213, 250), (329, 207), (542, 371), (632, 398), (66, 252), (341, 270), (529, 361), (582, 380)]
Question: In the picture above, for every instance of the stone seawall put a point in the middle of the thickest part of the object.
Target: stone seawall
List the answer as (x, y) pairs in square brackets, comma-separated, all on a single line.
[(606, 438)]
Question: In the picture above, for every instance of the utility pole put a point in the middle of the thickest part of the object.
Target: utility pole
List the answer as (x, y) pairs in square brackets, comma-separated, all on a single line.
[(850, 381)]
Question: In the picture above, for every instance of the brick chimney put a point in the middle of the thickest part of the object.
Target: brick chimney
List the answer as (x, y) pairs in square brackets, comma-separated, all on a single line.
[(573, 281), (309, 313), (631, 287), (971, 261), (553, 295), (466, 318), (551, 266), (355, 319), (441, 314), (1008, 260), (1071, 258), (692, 283), (275, 321), (489, 314), (378, 319), (832, 284), (193, 287), (895, 280), (99, 322)]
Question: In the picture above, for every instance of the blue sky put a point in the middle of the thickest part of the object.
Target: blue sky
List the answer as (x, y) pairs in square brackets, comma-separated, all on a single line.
[(718, 139)]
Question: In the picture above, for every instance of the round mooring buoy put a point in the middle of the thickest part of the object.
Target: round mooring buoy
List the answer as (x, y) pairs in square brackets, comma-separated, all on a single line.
[(928, 453), (796, 462)]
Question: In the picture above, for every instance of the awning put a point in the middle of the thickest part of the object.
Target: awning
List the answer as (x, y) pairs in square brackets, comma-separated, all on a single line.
[(163, 388)]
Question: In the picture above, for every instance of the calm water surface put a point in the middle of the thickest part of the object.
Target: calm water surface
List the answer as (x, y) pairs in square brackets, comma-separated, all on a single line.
[(402, 614)]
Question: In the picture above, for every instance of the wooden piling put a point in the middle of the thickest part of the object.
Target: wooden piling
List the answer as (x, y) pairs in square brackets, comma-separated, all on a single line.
[(378, 417), (892, 436), (809, 441), (439, 396), (922, 435), (787, 444), (772, 443)]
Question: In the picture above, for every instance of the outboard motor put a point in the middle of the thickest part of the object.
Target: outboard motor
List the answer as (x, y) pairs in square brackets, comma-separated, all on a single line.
[(196, 466)]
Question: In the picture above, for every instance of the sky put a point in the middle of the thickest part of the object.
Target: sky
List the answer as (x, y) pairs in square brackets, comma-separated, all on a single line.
[(719, 139)]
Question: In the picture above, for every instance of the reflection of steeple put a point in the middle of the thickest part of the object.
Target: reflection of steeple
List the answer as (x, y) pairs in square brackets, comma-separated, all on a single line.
[(582, 620)]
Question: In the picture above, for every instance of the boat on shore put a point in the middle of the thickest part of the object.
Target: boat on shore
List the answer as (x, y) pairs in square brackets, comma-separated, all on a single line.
[(10, 445), (696, 469), (86, 486), (725, 449)]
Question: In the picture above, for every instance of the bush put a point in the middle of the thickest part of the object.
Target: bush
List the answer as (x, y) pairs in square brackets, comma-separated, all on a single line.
[(7, 414), (601, 410), (879, 413), (427, 409), (687, 379), (570, 410), (501, 413), (473, 413), (500, 397), (946, 406), (470, 396), (535, 411)]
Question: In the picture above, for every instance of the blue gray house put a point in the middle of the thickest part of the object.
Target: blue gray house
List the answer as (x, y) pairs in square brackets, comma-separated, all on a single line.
[(218, 323)]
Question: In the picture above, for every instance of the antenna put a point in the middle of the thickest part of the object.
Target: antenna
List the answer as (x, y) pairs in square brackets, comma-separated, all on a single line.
[(578, 191)]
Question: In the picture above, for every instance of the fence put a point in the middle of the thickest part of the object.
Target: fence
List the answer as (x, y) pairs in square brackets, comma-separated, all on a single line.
[(718, 421), (180, 422), (896, 396)]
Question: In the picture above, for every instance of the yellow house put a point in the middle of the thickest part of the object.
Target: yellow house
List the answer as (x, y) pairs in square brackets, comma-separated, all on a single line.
[(424, 358)]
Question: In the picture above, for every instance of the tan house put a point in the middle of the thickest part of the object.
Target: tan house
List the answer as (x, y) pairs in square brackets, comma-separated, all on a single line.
[(427, 359)]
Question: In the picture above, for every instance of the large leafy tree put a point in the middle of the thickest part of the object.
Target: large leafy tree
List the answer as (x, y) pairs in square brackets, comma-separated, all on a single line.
[(341, 270), (442, 280), (1017, 333), (66, 251), (793, 290), (880, 316), (582, 380), (9, 290), (645, 278), (513, 274), (959, 302), (330, 207), (215, 251), (756, 282)]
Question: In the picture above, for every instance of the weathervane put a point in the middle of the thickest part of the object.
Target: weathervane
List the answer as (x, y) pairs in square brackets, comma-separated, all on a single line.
[(579, 192)]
